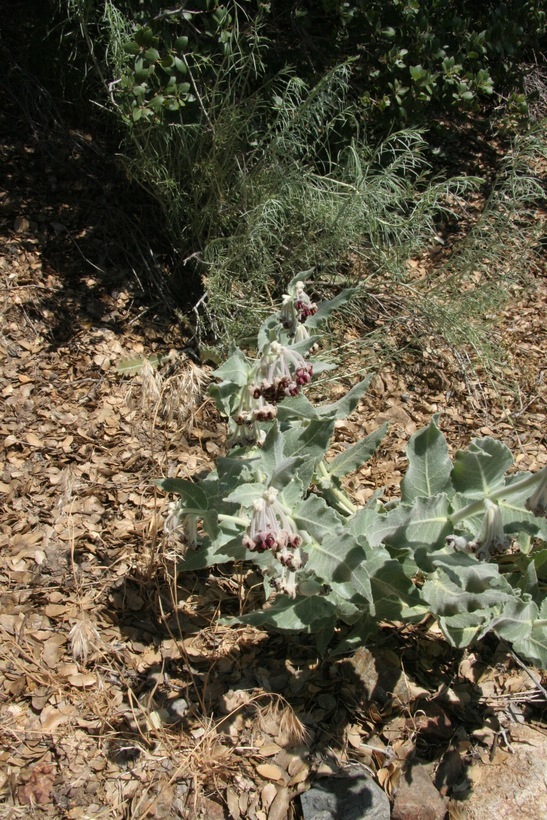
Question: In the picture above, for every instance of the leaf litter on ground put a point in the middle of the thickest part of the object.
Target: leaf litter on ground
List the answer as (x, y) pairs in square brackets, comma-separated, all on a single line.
[(120, 692)]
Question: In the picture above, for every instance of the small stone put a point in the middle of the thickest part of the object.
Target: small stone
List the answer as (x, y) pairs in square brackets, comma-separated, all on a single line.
[(417, 798), (211, 810), (178, 707), (351, 794), (379, 675), (21, 224), (432, 722)]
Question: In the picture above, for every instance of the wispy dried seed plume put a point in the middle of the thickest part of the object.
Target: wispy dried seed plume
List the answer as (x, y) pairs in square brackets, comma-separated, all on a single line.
[(84, 639), (172, 393)]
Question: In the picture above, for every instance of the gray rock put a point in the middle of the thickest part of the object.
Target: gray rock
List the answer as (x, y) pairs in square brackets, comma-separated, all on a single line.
[(350, 794), (515, 785)]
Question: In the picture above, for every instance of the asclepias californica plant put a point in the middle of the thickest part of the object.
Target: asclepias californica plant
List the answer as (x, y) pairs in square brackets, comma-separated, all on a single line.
[(465, 542)]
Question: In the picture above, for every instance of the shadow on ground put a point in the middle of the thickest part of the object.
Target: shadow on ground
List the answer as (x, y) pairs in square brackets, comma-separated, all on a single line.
[(66, 203)]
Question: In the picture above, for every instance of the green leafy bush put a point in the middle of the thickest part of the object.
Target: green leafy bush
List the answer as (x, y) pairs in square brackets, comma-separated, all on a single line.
[(463, 542), (257, 168), (415, 56), (257, 174)]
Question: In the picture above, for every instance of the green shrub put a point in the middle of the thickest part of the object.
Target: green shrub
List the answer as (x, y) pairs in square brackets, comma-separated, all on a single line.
[(258, 171), (415, 56)]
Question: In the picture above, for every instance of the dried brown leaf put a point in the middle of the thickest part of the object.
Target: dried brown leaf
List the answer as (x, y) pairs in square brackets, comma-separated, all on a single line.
[(270, 771)]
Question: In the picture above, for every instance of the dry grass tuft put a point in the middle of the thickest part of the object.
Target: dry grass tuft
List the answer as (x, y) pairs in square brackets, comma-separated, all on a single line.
[(279, 718), (172, 393), (84, 639)]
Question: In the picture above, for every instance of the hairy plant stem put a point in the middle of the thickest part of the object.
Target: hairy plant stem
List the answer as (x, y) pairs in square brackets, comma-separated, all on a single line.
[(233, 519), (504, 492), (338, 496)]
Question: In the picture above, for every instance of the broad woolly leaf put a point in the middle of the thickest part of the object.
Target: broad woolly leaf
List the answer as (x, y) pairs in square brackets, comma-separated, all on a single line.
[(246, 494), (325, 309), (462, 584), (320, 367), (268, 330), (225, 396), (305, 346), (292, 455), (297, 407), (342, 408), (301, 276), (318, 519), (540, 562), (524, 625), (273, 450), (232, 472), (515, 622), (429, 464), (302, 614), (464, 628), (514, 514), (480, 469), (236, 369), (337, 559), (286, 472), (378, 525), (427, 524), (394, 595), (223, 549), (534, 645), (194, 498), (358, 454), (525, 577), (310, 441)]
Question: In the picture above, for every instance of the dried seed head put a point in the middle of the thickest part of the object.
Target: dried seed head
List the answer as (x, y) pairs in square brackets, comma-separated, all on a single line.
[(84, 639)]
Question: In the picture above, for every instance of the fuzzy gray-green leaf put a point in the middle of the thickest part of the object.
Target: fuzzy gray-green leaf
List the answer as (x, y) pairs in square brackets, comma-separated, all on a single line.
[(194, 498), (429, 465), (480, 469), (343, 407), (357, 454), (294, 615)]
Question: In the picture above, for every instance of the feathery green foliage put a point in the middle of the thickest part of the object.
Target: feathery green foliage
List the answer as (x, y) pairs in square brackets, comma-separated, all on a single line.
[(257, 173)]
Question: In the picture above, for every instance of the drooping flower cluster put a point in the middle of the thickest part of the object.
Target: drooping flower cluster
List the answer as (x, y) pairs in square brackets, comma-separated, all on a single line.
[(491, 539), (250, 412), (272, 529), (281, 372), (296, 307), (253, 408), (181, 524)]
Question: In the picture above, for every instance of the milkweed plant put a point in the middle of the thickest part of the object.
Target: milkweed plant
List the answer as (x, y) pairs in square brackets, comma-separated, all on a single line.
[(465, 542)]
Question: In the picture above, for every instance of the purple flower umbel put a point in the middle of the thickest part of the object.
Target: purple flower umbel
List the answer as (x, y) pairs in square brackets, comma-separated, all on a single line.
[(272, 529), (253, 408), (296, 307), (282, 371)]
